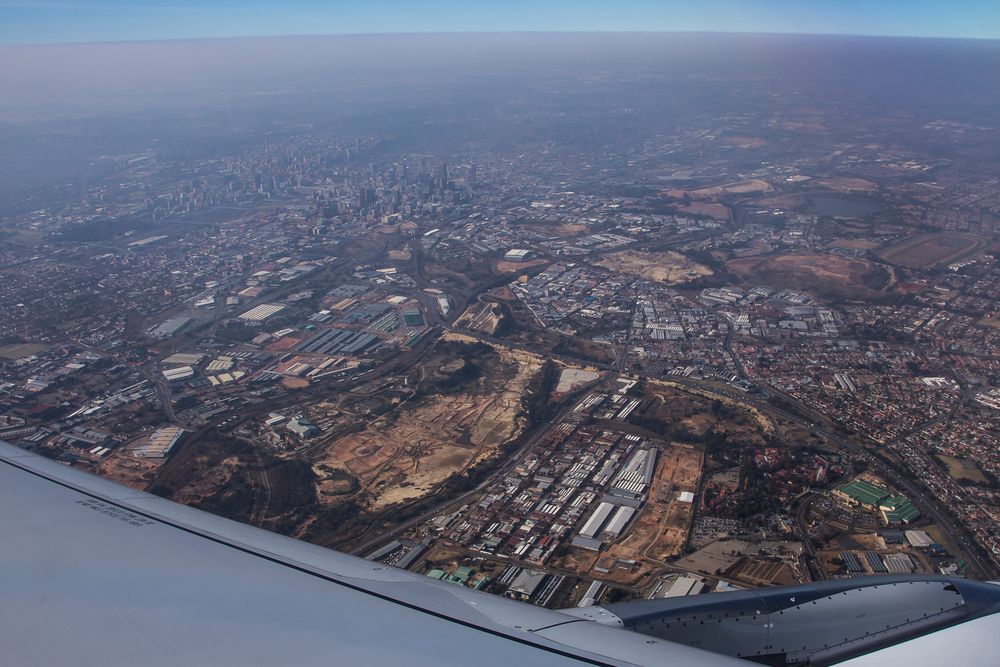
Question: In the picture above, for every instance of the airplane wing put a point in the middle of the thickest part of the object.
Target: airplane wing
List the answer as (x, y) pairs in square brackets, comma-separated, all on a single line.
[(93, 573)]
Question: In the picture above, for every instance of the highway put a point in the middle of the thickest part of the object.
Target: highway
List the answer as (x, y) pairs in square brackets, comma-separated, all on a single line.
[(817, 423)]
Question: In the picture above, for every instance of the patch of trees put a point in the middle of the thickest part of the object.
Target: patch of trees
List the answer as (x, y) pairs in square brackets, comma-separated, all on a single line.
[(537, 404), (235, 501), (293, 485), (506, 325), (468, 373), (235, 332)]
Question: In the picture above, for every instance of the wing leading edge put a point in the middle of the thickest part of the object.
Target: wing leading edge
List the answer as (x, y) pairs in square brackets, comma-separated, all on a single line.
[(98, 574)]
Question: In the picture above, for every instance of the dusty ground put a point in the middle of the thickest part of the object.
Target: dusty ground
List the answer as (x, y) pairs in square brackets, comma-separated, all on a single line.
[(744, 142), (570, 378), (666, 267), (406, 455), (764, 572), (716, 557), (710, 209), (845, 184), (757, 557), (126, 469), (740, 187), (680, 471), (690, 406), (503, 266), (826, 272)]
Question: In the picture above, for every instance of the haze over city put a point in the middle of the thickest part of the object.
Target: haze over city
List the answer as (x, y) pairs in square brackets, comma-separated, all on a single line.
[(639, 307), (34, 21)]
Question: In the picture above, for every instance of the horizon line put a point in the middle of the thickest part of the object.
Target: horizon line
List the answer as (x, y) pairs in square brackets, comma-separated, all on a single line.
[(431, 33)]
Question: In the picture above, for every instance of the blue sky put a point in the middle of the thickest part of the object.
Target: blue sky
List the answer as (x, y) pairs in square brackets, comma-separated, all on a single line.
[(46, 21)]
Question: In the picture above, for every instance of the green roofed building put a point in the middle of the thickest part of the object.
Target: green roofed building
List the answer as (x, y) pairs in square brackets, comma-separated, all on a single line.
[(860, 492), (898, 510), (895, 509), (461, 575), (437, 574)]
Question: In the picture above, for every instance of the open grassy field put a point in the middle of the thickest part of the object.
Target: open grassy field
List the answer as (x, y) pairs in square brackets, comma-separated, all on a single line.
[(19, 350), (926, 250), (962, 468), (853, 244), (668, 267)]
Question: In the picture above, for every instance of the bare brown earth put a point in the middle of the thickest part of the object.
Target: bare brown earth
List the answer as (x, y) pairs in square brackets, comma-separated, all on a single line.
[(710, 209), (845, 184), (668, 267), (503, 266), (739, 187), (126, 469), (828, 273), (407, 456), (681, 471), (744, 142), (764, 572)]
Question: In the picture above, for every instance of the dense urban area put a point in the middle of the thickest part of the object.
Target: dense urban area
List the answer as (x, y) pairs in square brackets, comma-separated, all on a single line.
[(580, 342)]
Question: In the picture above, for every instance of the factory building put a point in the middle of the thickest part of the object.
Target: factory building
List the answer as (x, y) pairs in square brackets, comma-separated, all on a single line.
[(183, 359), (596, 520), (169, 327), (684, 586), (262, 312), (178, 374), (161, 443), (619, 521), (517, 255), (302, 427), (526, 585)]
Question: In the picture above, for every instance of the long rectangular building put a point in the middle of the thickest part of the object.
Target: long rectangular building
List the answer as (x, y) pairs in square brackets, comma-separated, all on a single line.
[(160, 443), (619, 520), (596, 520), (262, 312)]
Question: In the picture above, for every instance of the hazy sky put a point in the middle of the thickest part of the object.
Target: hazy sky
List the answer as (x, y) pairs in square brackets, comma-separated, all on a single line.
[(46, 21)]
